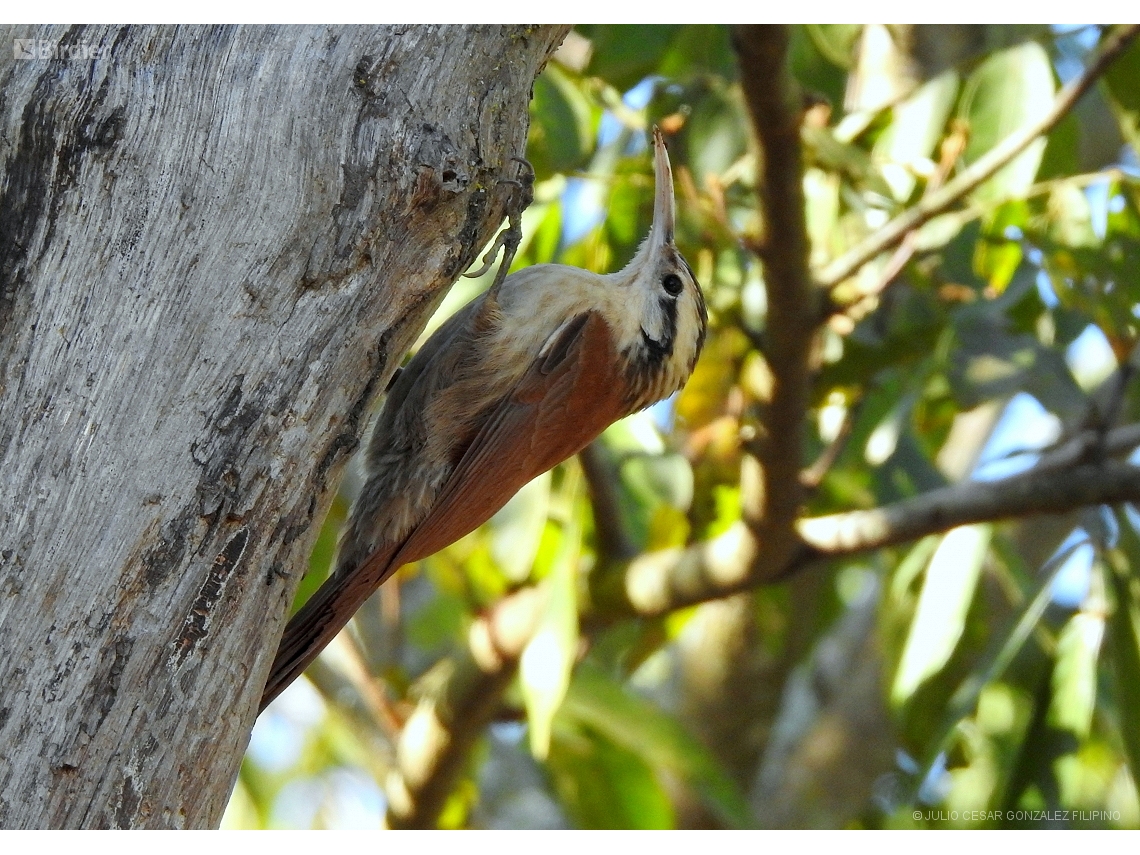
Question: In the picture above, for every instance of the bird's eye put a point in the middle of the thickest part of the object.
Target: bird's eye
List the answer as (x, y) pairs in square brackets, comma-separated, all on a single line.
[(672, 284)]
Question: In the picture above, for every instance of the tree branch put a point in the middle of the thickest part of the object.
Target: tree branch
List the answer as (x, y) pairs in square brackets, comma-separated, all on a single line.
[(445, 725), (611, 532), (663, 581), (1039, 491), (440, 733), (770, 544), (774, 102), (894, 231)]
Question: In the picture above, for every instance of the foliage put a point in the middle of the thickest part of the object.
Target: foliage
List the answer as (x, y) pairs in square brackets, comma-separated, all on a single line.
[(979, 677)]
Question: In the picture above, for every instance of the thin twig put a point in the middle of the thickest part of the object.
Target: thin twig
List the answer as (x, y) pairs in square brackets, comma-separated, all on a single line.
[(853, 305), (813, 476), (1005, 151), (951, 149), (613, 539), (371, 689)]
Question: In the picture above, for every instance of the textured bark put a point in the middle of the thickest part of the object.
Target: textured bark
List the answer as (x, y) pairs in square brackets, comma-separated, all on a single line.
[(215, 247)]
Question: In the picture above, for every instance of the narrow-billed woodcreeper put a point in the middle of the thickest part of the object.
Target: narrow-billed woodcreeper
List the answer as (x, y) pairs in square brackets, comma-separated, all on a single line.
[(524, 376)]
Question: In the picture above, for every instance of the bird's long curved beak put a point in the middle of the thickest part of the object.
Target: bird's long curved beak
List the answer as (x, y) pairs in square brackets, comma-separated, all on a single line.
[(663, 210)]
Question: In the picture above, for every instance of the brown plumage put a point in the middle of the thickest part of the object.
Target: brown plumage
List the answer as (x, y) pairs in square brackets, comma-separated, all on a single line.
[(521, 378)]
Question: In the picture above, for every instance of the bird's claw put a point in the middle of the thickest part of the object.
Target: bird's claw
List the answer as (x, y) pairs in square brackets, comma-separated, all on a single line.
[(509, 238)]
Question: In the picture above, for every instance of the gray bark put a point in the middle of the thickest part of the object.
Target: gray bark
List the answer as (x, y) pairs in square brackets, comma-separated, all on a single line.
[(215, 246)]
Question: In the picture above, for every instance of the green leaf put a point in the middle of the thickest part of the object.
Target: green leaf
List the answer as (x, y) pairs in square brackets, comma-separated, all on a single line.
[(835, 41), (597, 702), (1124, 640), (1069, 217), (909, 569), (1016, 661), (517, 529), (990, 742), (546, 663), (947, 591), (990, 362), (1013, 88), (1074, 675), (649, 481), (605, 785), (625, 208), (716, 137), (1122, 81), (941, 230), (821, 212), (1062, 155), (831, 153), (917, 124), (996, 257), (813, 68), (995, 664), (703, 49), (563, 123), (884, 439), (1096, 278), (625, 54)]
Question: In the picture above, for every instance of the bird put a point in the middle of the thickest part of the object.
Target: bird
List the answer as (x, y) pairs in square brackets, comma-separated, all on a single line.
[(523, 377)]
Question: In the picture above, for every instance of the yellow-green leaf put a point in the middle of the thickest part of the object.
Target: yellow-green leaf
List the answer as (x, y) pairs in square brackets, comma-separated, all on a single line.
[(916, 127), (1074, 675), (996, 257), (544, 670), (947, 591), (1124, 643), (1124, 93), (517, 529), (596, 701), (1012, 89)]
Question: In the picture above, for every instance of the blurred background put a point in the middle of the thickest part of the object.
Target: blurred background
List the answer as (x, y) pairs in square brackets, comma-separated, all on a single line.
[(984, 677)]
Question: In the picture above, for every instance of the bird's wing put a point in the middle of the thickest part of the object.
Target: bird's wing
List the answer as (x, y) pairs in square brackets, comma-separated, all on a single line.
[(568, 396), (564, 400)]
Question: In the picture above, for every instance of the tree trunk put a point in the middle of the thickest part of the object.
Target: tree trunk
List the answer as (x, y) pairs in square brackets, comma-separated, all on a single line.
[(215, 246)]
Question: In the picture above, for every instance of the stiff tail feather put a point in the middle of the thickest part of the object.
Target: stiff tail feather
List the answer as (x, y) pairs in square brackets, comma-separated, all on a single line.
[(324, 615)]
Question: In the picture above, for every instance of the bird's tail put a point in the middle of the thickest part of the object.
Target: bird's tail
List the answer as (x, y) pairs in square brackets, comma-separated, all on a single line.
[(322, 617)]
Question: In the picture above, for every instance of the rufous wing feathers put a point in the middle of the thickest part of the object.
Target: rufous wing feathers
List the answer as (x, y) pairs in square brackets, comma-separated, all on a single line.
[(565, 400), (560, 405)]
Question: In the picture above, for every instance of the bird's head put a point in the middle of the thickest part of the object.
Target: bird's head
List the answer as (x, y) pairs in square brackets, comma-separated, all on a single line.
[(663, 320)]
